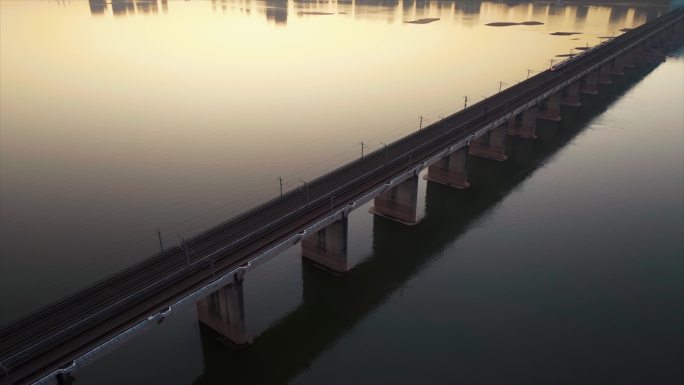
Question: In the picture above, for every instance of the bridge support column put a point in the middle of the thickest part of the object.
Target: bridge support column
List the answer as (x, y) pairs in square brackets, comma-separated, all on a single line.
[(65, 378), (672, 38), (524, 124), (604, 74), (618, 66), (676, 34), (628, 59), (550, 108), (327, 248), (589, 85), (648, 43), (491, 145), (223, 312), (399, 203), (642, 51), (452, 170), (571, 95), (653, 56)]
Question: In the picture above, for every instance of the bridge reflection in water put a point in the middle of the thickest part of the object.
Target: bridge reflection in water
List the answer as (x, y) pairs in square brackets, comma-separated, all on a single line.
[(331, 307), (278, 11)]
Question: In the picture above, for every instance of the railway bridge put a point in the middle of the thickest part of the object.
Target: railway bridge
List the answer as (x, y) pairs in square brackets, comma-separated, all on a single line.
[(208, 270)]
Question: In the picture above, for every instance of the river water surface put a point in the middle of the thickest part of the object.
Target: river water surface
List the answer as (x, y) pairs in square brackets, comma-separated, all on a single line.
[(562, 265)]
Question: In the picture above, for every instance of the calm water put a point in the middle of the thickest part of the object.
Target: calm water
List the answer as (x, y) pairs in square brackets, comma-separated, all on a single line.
[(562, 265)]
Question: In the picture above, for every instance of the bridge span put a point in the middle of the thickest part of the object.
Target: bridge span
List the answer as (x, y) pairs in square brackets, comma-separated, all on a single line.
[(50, 344)]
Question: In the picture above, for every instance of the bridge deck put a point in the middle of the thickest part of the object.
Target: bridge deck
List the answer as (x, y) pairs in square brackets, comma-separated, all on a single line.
[(56, 334)]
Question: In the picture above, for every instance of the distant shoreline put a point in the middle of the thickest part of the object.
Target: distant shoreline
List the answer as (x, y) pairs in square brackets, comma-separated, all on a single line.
[(648, 3)]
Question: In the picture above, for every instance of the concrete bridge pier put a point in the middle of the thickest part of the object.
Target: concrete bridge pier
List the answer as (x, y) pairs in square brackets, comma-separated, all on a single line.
[(399, 203), (589, 84), (653, 56), (670, 33), (644, 54), (637, 52), (327, 248), (654, 43), (664, 38), (677, 32), (604, 74), (628, 59), (618, 66), (491, 145), (551, 108), (524, 124), (65, 378), (223, 313), (673, 36), (451, 170), (648, 43), (643, 46), (571, 95), (660, 40)]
